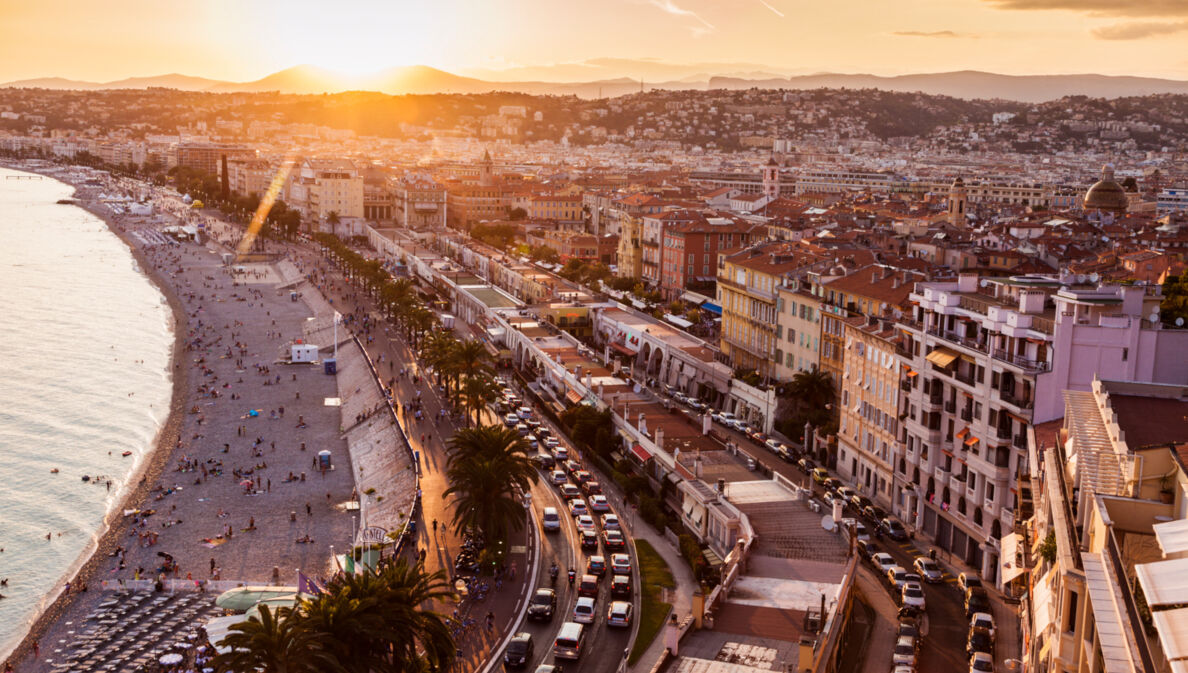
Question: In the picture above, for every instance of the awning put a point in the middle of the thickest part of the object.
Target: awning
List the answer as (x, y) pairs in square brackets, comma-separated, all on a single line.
[(573, 396), (912, 372), (616, 346), (941, 357), (641, 454), (971, 441), (712, 307), (1164, 582), (963, 433), (1008, 564)]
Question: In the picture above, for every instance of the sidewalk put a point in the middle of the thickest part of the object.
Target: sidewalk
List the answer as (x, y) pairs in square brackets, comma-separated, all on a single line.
[(681, 597), (880, 641)]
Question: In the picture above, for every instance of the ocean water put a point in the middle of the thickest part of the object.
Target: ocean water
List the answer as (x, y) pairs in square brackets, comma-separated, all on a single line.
[(85, 344)]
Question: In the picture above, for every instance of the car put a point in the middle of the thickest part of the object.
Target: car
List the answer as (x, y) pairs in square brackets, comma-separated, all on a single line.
[(583, 610), (533, 424), (549, 442), (613, 539), (548, 668), (585, 522), (572, 466), (982, 620), (551, 520), (519, 650), (859, 502), (979, 640), (908, 628), (621, 586), (619, 614), (533, 443), (912, 594), (865, 549), (680, 397), (806, 466), (846, 493), (903, 668), (610, 522), (570, 491), (511, 420), (558, 477), (913, 577), (976, 600), (598, 503), (929, 570), (596, 566), (561, 454), (543, 433), (820, 474), (967, 580), (981, 662), (859, 530), (620, 564), (893, 529), (524, 413), (830, 497), (757, 436), (696, 404), (772, 445), (589, 540), (542, 605), (897, 576), (832, 484), (545, 461), (588, 586), (522, 429), (874, 514), (882, 562), (582, 476), (592, 487), (905, 651)]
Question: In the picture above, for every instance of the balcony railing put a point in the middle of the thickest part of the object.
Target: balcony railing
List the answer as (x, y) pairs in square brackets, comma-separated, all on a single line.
[(1019, 402), (950, 407), (1019, 361), (990, 506), (942, 477), (905, 386), (1003, 433), (967, 379), (967, 414), (1021, 440)]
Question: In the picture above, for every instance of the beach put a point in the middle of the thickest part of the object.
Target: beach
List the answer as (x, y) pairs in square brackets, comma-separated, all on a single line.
[(232, 491)]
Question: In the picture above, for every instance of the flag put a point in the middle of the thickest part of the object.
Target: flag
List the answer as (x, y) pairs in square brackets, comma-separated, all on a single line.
[(306, 585), (349, 566)]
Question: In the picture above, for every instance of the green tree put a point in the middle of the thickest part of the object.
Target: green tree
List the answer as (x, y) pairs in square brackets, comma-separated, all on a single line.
[(488, 469), (275, 642), (477, 392), (1175, 300)]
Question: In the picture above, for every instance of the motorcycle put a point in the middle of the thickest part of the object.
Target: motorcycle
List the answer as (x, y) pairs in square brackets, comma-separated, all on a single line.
[(572, 576), (553, 573)]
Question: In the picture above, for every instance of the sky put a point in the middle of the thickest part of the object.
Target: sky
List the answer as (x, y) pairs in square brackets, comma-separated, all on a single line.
[(244, 40)]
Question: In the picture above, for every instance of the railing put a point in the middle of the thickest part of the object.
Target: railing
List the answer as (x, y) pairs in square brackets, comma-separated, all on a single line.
[(1003, 433), (950, 407), (1021, 440), (1010, 399), (1118, 570), (1030, 365), (967, 414), (1045, 325), (975, 305), (905, 386), (967, 379)]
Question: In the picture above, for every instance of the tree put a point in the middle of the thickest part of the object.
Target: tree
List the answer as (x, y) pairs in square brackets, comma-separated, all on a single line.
[(812, 394), (488, 469), (275, 642), (477, 392), (1175, 300), (517, 214)]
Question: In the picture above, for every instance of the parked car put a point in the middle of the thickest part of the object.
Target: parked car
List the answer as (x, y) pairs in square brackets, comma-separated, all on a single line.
[(929, 570), (820, 474), (893, 529), (519, 650), (905, 651), (599, 504), (912, 594), (981, 662), (882, 562), (613, 539), (610, 522), (859, 502), (845, 492), (542, 605), (596, 566), (982, 620), (967, 580), (806, 466), (589, 540), (583, 610), (722, 417), (621, 586), (874, 514), (976, 600), (680, 397), (620, 564), (979, 641), (619, 614), (588, 586), (695, 404)]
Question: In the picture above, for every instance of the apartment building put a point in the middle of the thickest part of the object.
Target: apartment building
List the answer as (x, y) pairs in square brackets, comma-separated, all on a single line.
[(569, 244), (868, 424), (206, 157), (566, 210), (798, 330), (471, 201), (652, 240), (689, 251), (748, 285), (249, 176), (420, 204), (330, 185), (629, 212), (987, 359), (1105, 554)]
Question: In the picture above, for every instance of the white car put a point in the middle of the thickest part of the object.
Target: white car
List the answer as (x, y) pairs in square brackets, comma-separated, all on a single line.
[(598, 503), (620, 564), (551, 442), (561, 454), (586, 522), (583, 612), (577, 507), (511, 420), (905, 651), (723, 417), (982, 620), (929, 570), (897, 576), (619, 614), (981, 662), (913, 595), (883, 561), (610, 522), (551, 519), (524, 413), (558, 477)]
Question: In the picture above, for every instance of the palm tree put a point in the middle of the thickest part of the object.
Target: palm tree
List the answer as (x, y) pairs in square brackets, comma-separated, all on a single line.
[(477, 392), (488, 469), (469, 357), (273, 642), (813, 389)]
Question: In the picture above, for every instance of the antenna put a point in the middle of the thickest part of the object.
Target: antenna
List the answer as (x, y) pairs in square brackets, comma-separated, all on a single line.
[(1154, 317), (1179, 322), (827, 523)]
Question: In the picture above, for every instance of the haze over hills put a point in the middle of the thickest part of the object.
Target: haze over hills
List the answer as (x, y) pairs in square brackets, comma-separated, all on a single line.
[(308, 79)]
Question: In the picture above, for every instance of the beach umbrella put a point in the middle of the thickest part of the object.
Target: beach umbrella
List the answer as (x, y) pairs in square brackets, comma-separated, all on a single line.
[(247, 482), (171, 659)]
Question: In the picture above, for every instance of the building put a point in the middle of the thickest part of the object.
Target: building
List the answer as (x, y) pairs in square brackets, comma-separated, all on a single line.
[(568, 244), (1172, 199), (419, 204), (690, 248), (652, 228), (250, 176), (798, 330), (207, 157), (324, 186), (868, 425), (471, 202), (565, 210), (748, 283)]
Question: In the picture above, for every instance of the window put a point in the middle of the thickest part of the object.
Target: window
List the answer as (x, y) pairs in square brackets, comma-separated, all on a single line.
[(1125, 354), (1070, 615)]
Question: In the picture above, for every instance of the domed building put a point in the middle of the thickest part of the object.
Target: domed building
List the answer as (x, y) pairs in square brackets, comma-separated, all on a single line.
[(1106, 195)]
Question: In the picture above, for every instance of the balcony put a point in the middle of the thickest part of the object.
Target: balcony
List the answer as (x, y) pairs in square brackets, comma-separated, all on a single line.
[(1003, 433), (967, 379), (950, 407), (990, 506), (1008, 516), (942, 477), (967, 414), (1021, 362), (1020, 441), (931, 402), (905, 386), (1014, 401)]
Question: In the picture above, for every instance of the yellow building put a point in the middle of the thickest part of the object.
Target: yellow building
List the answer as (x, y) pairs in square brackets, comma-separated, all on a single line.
[(868, 418), (557, 208), (748, 292), (630, 259)]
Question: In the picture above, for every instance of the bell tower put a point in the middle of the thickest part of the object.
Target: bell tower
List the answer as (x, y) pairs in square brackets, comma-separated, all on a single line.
[(486, 170), (771, 178), (958, 200)]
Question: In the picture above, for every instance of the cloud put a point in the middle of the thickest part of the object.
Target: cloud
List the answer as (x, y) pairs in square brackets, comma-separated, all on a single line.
[(1101, 7), (671, 7), (1136, 30), (922, 33), (773, 9)]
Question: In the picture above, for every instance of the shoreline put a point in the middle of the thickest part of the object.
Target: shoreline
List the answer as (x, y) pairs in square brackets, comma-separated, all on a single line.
[(114, 526)]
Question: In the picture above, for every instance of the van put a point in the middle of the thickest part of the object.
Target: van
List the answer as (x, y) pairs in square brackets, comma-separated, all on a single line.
[(551, 519), (569, 641)]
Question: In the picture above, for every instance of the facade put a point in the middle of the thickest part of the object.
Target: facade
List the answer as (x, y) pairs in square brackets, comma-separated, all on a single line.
[(868, 425), (748, 283), (420, 205), (206, 157), (332, 185), (562, 209), (1172, 199), (798, 330), (471, 202), (249, 176), (652, 232), (568, 244), (689, 251)]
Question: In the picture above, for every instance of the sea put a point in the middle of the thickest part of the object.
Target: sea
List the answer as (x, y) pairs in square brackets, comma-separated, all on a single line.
[(85, 341)]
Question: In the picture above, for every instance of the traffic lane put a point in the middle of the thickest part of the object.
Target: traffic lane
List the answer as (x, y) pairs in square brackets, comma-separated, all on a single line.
[(562, 546)]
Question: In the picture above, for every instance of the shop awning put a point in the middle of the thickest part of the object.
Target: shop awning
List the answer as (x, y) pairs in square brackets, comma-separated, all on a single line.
[(573, 396), (641, 454), (712, 308), (941, 357), (1008, 566), (616, 346)]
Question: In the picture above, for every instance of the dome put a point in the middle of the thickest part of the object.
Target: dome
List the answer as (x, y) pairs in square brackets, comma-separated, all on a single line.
[(1107, 195)]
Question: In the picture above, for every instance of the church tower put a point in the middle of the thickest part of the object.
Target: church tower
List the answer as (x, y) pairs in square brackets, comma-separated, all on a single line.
[(486, 170), (771, 178), (958, 200)]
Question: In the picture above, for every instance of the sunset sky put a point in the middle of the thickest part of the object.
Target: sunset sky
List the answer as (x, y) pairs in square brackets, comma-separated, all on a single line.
[(244, 40)]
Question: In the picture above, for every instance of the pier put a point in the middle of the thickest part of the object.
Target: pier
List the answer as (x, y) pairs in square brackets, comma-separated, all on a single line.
[(23, 177)]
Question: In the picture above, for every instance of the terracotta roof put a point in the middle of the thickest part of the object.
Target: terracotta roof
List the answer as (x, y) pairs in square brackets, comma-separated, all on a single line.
[(1149, 421)]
